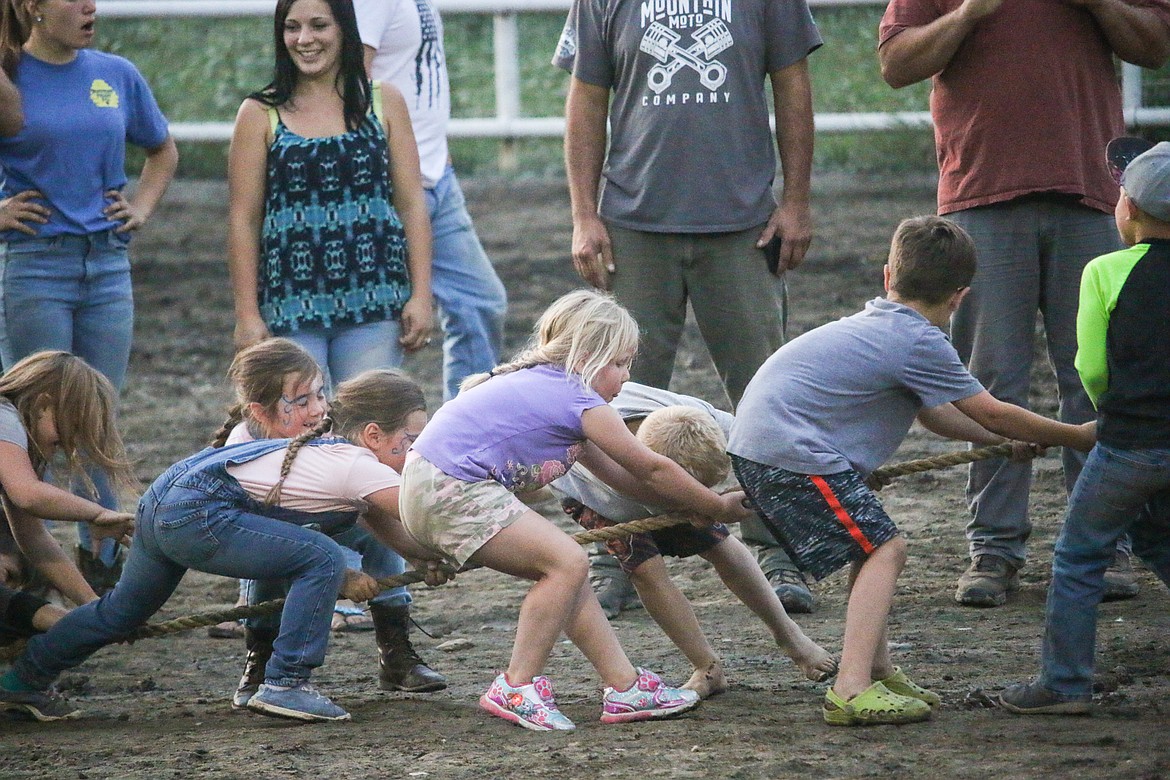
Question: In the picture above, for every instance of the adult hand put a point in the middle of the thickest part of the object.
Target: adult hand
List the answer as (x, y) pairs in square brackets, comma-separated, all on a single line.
[(248, 332), (417, 321), (359, 586), (592, 251), (113, 525), (21, 209), (793, 223), (122, 210)]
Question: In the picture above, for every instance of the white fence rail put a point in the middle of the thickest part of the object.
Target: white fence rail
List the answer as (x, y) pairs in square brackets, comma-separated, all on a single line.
[(507, 122)]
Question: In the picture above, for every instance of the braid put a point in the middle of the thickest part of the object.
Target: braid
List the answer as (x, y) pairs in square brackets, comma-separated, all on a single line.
[(235, 417), (294, 447), (529, 358)]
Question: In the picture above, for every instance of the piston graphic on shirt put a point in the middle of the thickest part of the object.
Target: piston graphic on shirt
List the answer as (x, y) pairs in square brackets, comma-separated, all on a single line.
[(662, 43)]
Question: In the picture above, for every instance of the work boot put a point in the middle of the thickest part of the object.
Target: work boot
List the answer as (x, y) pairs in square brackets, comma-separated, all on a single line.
[(101, 578), (400, 667), (987, 582), (1120, 579), (259, 642), (786, 580)]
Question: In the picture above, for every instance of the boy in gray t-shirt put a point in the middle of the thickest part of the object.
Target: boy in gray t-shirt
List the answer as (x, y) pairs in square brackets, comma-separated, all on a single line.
[(832, 405)]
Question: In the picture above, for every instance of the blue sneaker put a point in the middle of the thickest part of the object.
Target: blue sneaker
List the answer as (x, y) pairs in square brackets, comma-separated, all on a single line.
[(303, 702)]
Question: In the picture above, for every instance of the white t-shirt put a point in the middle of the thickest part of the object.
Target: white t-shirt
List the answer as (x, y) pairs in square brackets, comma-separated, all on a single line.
[(407, 38)]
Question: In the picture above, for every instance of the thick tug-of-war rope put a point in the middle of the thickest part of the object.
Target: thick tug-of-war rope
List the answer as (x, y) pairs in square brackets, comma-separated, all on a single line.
[(879, 478)]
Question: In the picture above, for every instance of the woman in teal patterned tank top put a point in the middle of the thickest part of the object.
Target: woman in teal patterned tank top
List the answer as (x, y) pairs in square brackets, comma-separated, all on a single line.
[(329, 240)]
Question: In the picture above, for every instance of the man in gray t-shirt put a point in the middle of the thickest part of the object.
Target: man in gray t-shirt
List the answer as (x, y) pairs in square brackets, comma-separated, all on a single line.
[(683, 204)]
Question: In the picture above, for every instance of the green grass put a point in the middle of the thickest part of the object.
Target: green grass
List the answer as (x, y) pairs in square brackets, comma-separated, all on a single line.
[(200, 69)]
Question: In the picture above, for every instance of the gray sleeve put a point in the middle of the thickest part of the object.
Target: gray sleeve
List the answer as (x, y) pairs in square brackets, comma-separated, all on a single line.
[(11, 427), (582, 49), (791, 33), (934, 372)]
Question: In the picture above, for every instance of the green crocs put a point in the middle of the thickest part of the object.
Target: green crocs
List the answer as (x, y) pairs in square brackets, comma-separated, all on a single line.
[(902, 685), (876, 705)]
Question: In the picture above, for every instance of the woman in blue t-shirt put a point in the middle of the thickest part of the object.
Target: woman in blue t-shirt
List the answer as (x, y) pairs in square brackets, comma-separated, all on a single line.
[(64, 266)]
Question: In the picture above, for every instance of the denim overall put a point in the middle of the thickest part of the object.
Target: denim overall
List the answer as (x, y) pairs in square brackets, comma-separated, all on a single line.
[(196, 516)]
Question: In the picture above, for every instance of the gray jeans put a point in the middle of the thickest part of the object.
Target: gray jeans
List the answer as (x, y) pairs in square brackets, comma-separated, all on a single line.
[(1031, 254), (739, 305)]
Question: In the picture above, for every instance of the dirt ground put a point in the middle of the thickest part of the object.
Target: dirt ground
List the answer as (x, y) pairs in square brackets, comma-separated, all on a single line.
[(160, 708)]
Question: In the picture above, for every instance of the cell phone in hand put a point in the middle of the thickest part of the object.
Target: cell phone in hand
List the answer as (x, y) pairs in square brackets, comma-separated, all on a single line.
[(771, 252)]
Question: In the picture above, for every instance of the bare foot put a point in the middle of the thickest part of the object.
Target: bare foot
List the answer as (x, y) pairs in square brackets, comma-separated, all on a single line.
[(707, 682), (815, 662)]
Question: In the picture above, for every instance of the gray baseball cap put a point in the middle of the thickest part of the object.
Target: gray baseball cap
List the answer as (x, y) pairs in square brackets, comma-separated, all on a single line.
[(1146, 179)]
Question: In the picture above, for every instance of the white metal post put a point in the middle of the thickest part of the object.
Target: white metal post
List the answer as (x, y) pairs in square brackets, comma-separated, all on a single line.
[(506, 47)]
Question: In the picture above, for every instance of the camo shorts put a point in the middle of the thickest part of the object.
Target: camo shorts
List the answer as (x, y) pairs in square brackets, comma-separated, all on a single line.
[(452, 517)]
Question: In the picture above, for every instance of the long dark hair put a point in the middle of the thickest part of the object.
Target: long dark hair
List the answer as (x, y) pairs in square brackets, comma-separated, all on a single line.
[(351, 76)]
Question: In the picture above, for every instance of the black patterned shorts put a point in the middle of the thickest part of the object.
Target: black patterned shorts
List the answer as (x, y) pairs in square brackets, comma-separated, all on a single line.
[(825, 522), (681, 541)]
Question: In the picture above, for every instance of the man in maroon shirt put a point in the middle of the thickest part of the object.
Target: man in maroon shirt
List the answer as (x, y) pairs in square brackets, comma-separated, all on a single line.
[(1024, 100)]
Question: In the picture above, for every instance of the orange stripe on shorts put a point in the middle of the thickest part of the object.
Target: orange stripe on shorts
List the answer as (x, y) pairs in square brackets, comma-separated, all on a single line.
[(847, 521)]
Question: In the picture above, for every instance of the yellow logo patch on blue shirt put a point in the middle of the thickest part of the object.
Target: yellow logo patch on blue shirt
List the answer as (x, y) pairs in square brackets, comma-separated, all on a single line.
[(102, 94)]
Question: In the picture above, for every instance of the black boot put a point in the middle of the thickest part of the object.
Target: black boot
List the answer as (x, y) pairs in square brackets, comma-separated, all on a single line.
[(259, 642), (101, 578), (400, 667)]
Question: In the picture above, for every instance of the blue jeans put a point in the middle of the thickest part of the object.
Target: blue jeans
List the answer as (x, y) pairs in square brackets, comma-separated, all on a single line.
[(345, 351), (1118, 491), (1031, 255), (360, 550), (470, 296), (71, 293), (198, 521)]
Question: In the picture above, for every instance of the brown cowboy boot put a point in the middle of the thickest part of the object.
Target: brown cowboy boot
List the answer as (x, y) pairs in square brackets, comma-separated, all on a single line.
[(259, 642), (400, 667)]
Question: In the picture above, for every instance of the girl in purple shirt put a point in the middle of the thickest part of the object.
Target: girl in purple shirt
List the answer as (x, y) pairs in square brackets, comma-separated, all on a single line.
[(514, 430)]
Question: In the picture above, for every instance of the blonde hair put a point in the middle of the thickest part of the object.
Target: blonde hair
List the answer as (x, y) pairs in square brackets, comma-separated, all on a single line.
[(581, 332), (381, 396), (691, 438), (258, 375), (84, 406)]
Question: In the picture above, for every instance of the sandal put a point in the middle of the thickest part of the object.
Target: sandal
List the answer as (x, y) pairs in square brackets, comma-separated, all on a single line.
[(874, 706), (902, 685)]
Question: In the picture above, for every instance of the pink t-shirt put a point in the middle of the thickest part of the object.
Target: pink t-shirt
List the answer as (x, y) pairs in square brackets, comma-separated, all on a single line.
[(324, 478), (1026, 105)]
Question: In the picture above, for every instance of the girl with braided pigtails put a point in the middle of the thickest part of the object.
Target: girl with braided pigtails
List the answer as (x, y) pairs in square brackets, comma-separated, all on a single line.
[(252, 511)]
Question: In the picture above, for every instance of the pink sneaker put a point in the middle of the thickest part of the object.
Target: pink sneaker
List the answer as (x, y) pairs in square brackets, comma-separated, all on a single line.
[(647, 698), (531, 706)]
